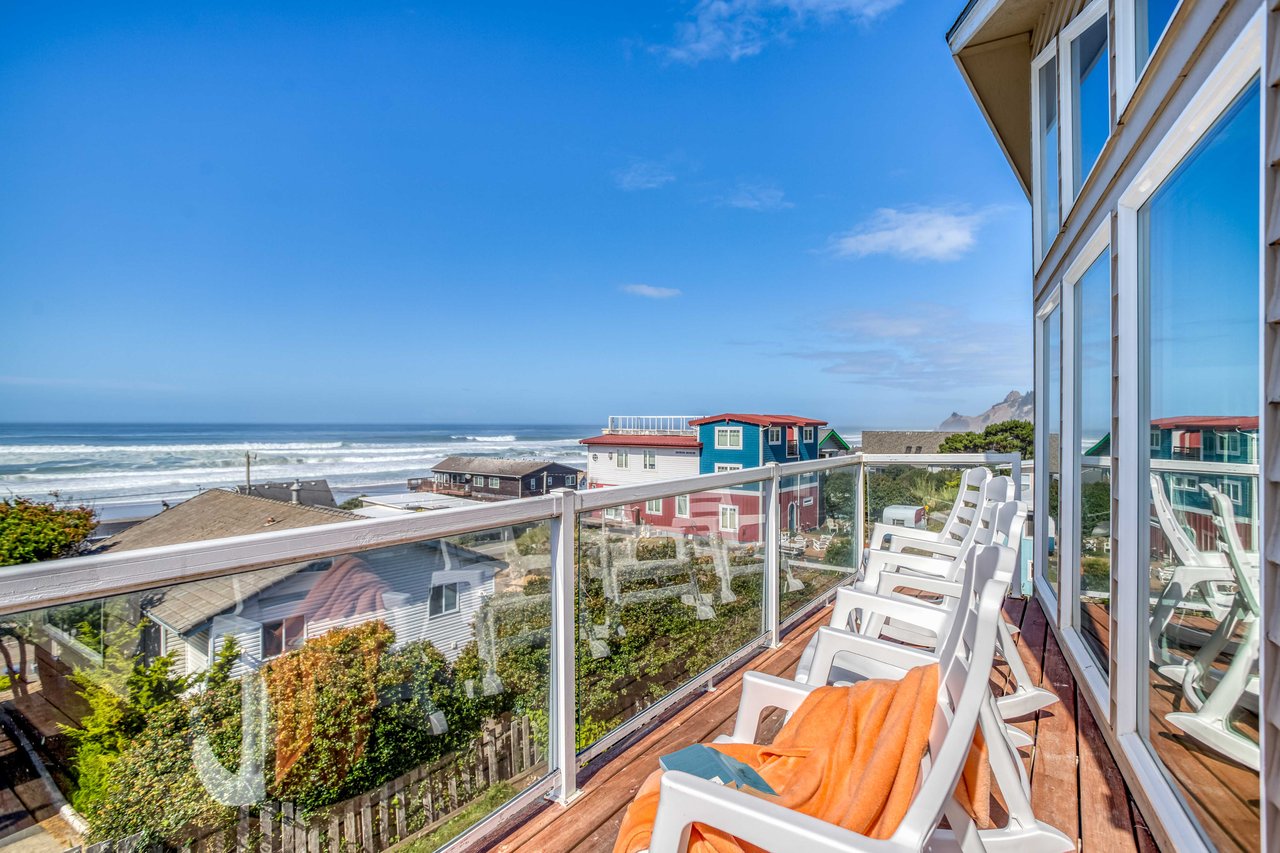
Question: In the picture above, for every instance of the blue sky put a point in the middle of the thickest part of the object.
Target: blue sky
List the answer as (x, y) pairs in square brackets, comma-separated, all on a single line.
[(490, 212)]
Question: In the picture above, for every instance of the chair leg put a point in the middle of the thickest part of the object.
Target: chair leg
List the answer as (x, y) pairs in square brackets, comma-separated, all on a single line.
[(1211, 724), (1026, 698)]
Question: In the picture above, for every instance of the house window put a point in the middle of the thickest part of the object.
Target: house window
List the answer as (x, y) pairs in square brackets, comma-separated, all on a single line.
[(283, 635), (1156, 440), (1186, 483), (721, 467), (650, 460), (571, 480), (622, 459), (494, 482), (793, 448), (728, 438), (444, 599), (1044, 107), (728, 517), (1087, 92), (1233, 491), (1229, 443), (807, 502), (1150, 18), (808, 434), (614, 513), (653, 507), (682, 506), (533, 483), (775, 435)]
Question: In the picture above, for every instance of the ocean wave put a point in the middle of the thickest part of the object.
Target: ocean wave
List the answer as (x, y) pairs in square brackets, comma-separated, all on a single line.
[(505, 438)]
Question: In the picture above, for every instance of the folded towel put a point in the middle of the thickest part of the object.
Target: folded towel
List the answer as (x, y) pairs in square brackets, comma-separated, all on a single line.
[(848, 755)]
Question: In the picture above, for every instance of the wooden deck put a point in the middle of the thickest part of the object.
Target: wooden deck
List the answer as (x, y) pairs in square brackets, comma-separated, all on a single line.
[(1069, 764)]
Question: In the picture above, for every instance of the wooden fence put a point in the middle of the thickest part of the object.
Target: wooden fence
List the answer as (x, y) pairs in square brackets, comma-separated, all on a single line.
[(374, 821)]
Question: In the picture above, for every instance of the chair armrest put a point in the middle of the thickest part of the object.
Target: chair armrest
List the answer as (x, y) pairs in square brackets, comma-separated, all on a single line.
[(878, 653), (893, 581), (882, 561), (949, 549), (884, 531), (919, 613), (684, 799), (759, 691)]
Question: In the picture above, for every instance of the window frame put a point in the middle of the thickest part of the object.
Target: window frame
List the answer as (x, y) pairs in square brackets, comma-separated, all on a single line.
[(622, 459), (650, 460), (289, 641), (445, 611), (571, 481), (1039, 250), (685, 512), (495, 483), (1090, 15), (808, 434), (775, 435), (724, 467), (1239, 64), (732, 510), (1125, 50), (728, 432), (650, 509)]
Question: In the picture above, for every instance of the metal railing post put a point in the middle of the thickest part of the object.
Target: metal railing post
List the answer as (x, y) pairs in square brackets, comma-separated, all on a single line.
[(860, 523), (772, 570), (564, 716)]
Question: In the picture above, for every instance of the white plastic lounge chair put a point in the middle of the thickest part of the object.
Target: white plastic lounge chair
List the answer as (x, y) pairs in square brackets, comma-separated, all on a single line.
[(964, 512), (1210, 723), (963, 703), (1196, 568), (890, 573)]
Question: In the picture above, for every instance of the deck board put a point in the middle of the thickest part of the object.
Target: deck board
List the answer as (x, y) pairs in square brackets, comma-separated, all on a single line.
[(1075, 783)]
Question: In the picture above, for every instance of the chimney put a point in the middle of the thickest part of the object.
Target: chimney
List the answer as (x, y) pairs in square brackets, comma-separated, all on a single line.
[(295, 492)]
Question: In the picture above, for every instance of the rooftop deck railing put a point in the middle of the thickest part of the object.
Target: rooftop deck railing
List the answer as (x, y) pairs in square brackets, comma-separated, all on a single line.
[(511, 642), (651, 425)]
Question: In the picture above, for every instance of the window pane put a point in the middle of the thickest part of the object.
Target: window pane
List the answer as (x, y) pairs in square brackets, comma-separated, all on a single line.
[(1150, 19), (1093, 320), (1048, 139), (1090, 99), (1198, 255), (1053, 434)]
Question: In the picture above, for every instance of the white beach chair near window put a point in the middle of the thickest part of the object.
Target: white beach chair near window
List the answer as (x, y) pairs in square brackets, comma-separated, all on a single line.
[(964, 512), (1196, 569), (888, 574), (1216, 695), (963, 704)]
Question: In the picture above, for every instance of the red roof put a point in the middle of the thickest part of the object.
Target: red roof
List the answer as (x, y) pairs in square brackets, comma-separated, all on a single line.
[(1206, 422), (759, 420), (643, 440)]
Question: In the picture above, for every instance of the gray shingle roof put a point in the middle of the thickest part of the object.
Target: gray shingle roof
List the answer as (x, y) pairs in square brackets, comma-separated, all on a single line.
[(495, 467)]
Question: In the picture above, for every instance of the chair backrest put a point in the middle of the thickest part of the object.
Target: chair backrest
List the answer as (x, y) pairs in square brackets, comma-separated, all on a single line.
[(967, 505), (965, 668), (1183, 548), (1224, 518)]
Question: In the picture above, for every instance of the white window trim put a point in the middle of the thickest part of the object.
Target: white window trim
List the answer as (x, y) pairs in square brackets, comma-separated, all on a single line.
[(650, 509), (1047, 593), (570, 480), (728, 431), (808, 434), (775, 435), (622, 459), (733, 513), (1126, 53), (1066, 112), (1240, 63), (457, 600), (722, 467), (495, 483), (1037, 191), (682, 513), (650, 456)]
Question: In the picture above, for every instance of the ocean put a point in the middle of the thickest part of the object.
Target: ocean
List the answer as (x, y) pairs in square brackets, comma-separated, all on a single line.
[(126, 470)]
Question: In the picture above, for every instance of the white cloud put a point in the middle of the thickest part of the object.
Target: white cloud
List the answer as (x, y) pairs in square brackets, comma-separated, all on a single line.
[(917, 234), (924, 347), (648, 291), (758, 197), (642, 175), (732, 29)]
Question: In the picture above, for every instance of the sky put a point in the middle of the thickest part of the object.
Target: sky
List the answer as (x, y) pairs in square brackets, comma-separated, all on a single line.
[(528, 213)]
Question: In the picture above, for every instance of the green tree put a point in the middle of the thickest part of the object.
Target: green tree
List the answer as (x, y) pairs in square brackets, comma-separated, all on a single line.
[(31, 531), (837, 495), (1004, 437), (352, 503)]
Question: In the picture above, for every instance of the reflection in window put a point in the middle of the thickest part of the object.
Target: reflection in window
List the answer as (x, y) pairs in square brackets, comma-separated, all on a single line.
[(1053, 432), (1198, 262), (1090, 100), (1150, 19), (1093, 324), (1047, 93)]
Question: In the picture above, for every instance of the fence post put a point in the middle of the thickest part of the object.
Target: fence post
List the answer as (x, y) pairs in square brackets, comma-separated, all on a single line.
[(772, 570), (564, 735), (860, 522)]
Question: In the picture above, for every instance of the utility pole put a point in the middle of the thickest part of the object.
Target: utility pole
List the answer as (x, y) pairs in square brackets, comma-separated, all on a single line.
[(248, 481)]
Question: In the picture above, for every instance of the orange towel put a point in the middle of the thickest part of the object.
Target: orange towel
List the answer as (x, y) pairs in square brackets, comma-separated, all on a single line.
[(849, 756)]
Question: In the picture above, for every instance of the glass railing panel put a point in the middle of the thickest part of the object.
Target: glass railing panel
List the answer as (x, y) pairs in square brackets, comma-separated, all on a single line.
[(665, 589), (334, 703), (817, 514)]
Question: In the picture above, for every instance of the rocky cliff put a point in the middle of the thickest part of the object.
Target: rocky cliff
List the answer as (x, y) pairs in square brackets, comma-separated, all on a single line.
[(1014, 407)]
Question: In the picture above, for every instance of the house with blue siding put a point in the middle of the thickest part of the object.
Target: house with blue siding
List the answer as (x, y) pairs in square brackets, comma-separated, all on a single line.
[(732, 441)]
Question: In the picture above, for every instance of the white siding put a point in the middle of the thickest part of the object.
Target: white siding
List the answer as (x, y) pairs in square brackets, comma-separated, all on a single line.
[(672, 462)]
